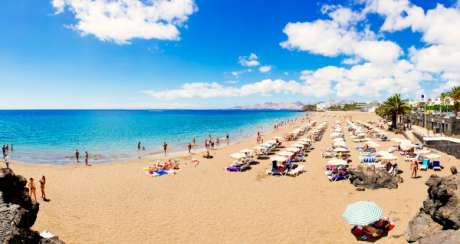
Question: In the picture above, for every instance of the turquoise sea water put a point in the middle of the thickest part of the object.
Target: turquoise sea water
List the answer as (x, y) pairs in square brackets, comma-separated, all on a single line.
[(51, 136)]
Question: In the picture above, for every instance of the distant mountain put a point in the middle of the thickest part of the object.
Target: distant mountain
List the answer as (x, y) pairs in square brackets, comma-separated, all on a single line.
[(274, 106)]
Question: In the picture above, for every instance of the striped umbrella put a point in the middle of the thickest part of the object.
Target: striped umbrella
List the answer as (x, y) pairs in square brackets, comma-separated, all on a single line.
[(362, 213)]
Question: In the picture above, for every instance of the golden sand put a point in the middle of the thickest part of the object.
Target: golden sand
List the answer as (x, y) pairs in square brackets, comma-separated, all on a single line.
[(118, 203)]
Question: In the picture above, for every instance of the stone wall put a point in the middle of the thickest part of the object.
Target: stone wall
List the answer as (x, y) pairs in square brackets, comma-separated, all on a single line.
[(451, 148)]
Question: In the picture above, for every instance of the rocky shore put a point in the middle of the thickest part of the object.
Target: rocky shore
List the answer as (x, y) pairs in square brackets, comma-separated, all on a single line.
[(17, 211), (438, 220)]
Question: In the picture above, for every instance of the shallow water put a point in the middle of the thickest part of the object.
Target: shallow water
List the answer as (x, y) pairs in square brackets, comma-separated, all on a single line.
[(51, 136)]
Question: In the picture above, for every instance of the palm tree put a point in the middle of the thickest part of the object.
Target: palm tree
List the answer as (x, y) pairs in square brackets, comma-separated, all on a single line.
[(455, 95), (394, 107)]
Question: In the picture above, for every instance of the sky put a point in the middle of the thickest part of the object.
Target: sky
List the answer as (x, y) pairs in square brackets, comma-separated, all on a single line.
[(223, 53)]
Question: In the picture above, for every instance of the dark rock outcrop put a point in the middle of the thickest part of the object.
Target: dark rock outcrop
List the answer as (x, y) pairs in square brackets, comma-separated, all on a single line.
[(444, 237), (373, 178), (17, 211), (438, 220)]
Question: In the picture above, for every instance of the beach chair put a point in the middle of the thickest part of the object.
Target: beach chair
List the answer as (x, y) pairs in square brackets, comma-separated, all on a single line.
[(425, 164), (297, 171), (437, 165)]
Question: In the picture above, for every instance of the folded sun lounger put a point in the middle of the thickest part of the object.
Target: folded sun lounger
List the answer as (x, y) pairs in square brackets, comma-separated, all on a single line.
[(437, 165), (425, 164)]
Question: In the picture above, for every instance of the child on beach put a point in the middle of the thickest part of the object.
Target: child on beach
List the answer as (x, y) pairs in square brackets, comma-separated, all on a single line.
[(32, 189)]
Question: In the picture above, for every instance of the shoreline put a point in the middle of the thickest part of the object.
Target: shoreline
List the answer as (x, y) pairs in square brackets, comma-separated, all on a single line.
[(159, 155), (267, 127)]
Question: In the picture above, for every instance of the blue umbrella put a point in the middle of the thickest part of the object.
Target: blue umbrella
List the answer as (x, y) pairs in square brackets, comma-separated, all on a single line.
[(362, 213)]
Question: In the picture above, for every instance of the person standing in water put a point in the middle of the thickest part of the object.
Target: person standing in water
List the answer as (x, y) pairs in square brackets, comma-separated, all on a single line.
[(86, 158), (77, 155), (32, 189), (42, 187), (139, 146), (189, 147), (194, 141), (227, 138), (165, 147)]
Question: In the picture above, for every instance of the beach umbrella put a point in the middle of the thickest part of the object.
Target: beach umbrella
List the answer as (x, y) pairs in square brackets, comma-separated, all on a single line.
[(406, 147), (362, 213), (299, 145), (339, 143), (337, 162), (341, 149), (285, 153), (238, 155), (389, 157), (424, 151), (395, 139), (382, 153), (432, 156), (278, 158), (292, 149)]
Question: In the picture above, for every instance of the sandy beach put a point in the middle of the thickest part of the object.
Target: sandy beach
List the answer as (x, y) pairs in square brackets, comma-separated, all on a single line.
[(118, 203)]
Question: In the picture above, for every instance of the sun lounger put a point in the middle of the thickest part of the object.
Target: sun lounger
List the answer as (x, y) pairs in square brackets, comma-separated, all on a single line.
[(425, 164), (297, 171), (437, 165)]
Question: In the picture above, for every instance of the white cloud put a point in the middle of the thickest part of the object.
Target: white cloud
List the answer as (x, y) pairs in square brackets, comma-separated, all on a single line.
[(249, 61), (265, 68), (377, 66), (445, 87), (337, 36), (238, 73), (265, 87), (121, 21)]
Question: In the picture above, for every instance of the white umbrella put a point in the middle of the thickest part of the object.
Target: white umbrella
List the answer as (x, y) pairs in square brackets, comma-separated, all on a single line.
[(389, 157), (406, 147), (433, 156), (278, 158), (424, 151), (339, 143), (373, 144), (292, 149), (337, 161), (362, 213), (300, 145), (395, 139), (238, 155), (341, 149), (285, 153)]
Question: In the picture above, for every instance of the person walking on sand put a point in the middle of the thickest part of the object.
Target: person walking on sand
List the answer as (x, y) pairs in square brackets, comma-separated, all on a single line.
[(165, 147), (86, 158), (77, 155), (42, 187), (32, 189), (189, 147), (414, 168)]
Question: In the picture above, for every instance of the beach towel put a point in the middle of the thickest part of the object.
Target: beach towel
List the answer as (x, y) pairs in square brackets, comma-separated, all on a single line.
[(160, 172)]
